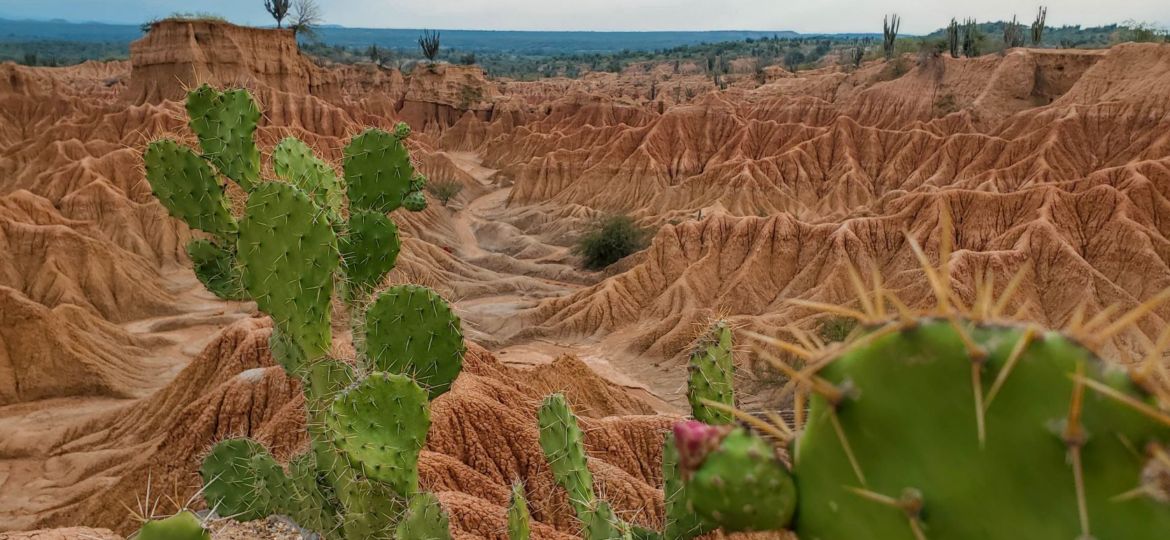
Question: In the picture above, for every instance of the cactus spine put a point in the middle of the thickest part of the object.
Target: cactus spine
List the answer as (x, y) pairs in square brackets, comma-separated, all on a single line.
[(366, 424), (952, 423)]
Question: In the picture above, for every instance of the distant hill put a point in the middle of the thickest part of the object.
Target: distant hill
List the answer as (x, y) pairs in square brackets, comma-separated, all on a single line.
[(502, 41)]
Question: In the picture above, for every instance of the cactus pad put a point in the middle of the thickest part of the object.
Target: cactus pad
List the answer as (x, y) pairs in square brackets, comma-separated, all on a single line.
[(519, 520), (710, 375), (381, 425), (910, 422), (187, 187), (225, 123), (242, 480), (294, 161), (181, 526), (409, 329), (369, 250), (377, 171), (415, 201), (564, 449), (425, 520), (216, 269), (741, 484), (288, 252), (681, 521)]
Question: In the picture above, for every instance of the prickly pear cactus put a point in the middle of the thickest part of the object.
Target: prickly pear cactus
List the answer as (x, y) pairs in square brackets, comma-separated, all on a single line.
[(950, 424), (366, 427), (710, 375), (681, 521), (241, 479), (741, 484), (216, 268), (181, 526), (369, 250), (518, 517), (425, 520), (409, 329), (225, 123), (415, 201), (188, 188), (288, 251), (377, 171), (293, 160), (380, 425), (564, 449)]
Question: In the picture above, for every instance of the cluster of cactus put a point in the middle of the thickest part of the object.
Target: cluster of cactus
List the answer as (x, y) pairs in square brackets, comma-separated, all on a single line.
[(298, 237), (712, 397), (953, 423)]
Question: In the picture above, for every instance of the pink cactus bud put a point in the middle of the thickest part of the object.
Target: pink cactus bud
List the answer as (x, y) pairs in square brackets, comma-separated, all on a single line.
[(695, 440)]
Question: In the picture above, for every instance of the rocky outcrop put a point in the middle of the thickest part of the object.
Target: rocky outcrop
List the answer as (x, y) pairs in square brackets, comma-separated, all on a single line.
[(176, 55)]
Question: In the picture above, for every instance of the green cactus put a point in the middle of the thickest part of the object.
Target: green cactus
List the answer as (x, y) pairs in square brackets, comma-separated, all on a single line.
[(681, 521), (518, 517), (366, 431), (181, 526), (369, 250), (289, 253), (377, 171), (409, 329), (564, 448), (415, 201), (188, 188), (951, 428), (225, 123), (380, 425), (401, 131), (600, 523), (293, 160), (425, 520), (216, 269), (710, 375), (242, 480)]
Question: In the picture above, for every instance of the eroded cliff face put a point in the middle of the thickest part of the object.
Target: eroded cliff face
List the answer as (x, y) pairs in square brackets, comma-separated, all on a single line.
[(116, 368), (176, 55)]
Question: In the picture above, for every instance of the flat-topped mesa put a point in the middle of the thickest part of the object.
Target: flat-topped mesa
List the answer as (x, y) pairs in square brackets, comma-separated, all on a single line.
[(177, 55), (443, 93)]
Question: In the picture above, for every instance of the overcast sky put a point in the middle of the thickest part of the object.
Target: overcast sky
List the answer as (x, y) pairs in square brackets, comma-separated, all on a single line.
[(810, 16)]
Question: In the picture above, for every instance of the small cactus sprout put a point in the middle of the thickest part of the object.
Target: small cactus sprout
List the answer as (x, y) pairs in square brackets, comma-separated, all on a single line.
[(181, 526), (710, 376), (518, 516)]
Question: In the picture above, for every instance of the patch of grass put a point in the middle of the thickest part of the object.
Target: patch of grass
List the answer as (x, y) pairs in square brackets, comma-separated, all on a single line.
[(609, 239)]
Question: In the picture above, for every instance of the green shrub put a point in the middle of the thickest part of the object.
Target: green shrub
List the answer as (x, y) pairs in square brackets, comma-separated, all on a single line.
[(609, 239), (445, 190)]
